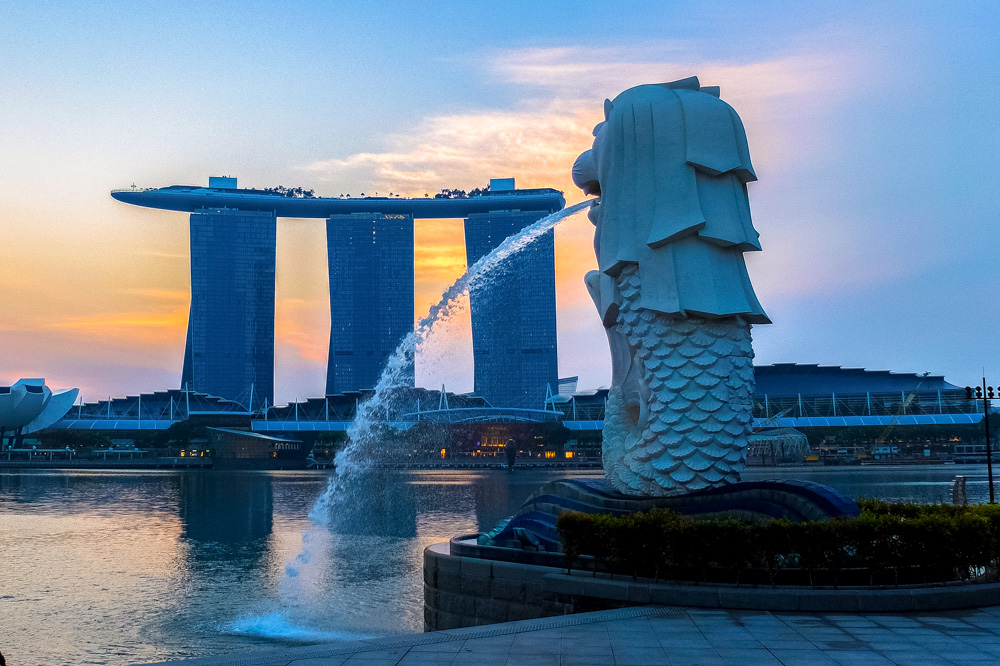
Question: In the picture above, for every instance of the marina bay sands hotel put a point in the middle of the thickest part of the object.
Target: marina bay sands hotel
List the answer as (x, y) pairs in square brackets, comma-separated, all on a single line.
[(230, 335)]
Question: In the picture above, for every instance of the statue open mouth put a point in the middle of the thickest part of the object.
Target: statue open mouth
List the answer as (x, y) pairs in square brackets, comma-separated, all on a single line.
[(670, 164)]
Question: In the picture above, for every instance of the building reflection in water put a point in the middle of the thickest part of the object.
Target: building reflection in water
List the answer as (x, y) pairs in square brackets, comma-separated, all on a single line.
[(381, 502), (493, 503), (231, 508)]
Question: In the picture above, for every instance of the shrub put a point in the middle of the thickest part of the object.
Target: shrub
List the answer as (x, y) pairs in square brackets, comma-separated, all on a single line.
[(887, 543)]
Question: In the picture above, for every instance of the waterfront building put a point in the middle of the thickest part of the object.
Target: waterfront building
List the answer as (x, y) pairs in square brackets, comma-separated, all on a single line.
[(371, 295), (243, 449), (230, 336), (231, 339), (513, 314), (27, 406)]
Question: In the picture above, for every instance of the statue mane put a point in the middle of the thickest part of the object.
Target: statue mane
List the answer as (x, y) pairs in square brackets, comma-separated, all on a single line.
[(671, 164)]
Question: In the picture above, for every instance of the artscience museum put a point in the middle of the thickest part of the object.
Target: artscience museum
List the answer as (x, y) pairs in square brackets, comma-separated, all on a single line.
[(28, 406)]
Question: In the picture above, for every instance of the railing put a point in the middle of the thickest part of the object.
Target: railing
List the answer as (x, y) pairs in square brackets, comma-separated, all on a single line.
[(174, 406)]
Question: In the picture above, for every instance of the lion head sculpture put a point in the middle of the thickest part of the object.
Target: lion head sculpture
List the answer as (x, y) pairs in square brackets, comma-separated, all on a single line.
[(671, 163)]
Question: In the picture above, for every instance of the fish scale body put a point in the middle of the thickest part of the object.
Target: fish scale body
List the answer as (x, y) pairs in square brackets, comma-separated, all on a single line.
[(692, 433)]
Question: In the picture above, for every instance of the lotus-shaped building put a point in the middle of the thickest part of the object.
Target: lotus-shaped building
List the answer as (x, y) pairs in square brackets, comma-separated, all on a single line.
[(29, 406)]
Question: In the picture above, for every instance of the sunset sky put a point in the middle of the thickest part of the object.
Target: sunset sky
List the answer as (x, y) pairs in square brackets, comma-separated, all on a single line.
[(872, 127)]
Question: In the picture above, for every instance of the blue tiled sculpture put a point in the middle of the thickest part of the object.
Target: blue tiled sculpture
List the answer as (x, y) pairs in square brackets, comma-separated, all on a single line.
[(754, 500)]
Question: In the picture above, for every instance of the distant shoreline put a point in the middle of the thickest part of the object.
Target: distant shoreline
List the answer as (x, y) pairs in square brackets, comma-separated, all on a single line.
[(181, 463), (207, 463)]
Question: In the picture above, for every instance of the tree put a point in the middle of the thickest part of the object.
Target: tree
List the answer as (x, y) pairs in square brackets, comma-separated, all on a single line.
[(181, 434)]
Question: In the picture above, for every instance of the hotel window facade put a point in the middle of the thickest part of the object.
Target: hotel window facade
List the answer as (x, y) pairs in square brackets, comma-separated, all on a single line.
[(513, 314), (230, 337), (371, 296)]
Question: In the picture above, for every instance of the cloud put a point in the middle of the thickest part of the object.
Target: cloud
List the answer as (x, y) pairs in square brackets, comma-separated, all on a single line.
[(303, 325), (584, 74), (439, 253), (173, 295), (782, 100), (538, 141), (129, 329), (467, 150), (161, 254)]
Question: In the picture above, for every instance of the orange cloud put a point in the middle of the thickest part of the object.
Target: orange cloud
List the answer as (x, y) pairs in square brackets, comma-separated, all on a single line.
[(467, 150), (303, 325), (539, 142), (177, 295), (130, 328), (785, 102), (438, 260)]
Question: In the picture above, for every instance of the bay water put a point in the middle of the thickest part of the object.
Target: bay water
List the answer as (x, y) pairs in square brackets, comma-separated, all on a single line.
[(117, 567)]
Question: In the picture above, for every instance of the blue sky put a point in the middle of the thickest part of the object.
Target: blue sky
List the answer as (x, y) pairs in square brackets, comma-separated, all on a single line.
[(872, 127)]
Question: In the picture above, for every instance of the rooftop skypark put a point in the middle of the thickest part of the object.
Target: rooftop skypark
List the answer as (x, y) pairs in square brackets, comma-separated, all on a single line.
[(500, 194)]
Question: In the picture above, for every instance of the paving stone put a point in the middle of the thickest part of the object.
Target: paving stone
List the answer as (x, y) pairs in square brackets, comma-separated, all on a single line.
[(893, 620), (483, 659), (532, 660), (376, 655), (812, 657), (535, 648), (967, 655), (451, 646), (586, 660), (425, 658), (632, 654), (778, 644), (694, 637), (488, 643), (695, 658), (757, 657), (859, 658), (685, 643), (912, 658)]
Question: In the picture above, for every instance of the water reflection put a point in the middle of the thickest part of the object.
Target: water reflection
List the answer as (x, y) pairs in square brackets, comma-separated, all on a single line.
[(493, 499), (120, 567), (226, 507), (380, 502), (88, 491), (927, 484)]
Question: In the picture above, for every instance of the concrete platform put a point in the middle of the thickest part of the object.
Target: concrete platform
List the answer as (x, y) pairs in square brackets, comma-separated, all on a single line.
[(653, 635)]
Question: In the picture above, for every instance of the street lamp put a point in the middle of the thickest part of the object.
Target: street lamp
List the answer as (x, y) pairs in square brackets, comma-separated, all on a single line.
[(985, 393)]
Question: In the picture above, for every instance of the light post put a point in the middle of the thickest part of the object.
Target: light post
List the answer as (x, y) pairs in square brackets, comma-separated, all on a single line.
[(985, 393)]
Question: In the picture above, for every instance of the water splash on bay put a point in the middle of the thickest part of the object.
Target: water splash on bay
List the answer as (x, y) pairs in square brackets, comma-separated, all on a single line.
[(364, 447), (277, 626), (356, 463)]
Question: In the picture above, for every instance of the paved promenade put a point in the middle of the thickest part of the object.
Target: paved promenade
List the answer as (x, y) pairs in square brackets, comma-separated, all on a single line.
[(668, 635)]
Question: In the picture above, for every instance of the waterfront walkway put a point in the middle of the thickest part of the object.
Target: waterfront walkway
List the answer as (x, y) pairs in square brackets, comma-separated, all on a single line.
[(669, 635)]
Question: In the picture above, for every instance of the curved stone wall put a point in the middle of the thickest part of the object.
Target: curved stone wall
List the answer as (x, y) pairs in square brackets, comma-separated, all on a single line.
[(462, 591)]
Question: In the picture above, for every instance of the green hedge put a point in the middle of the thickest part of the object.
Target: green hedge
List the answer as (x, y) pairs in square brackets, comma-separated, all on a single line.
[(886, 544)]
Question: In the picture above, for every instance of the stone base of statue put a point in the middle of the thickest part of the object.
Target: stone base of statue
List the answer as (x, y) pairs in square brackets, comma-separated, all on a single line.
[(533, 527)]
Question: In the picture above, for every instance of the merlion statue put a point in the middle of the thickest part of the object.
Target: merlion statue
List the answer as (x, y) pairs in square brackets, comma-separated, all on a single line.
[(670, 164)]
